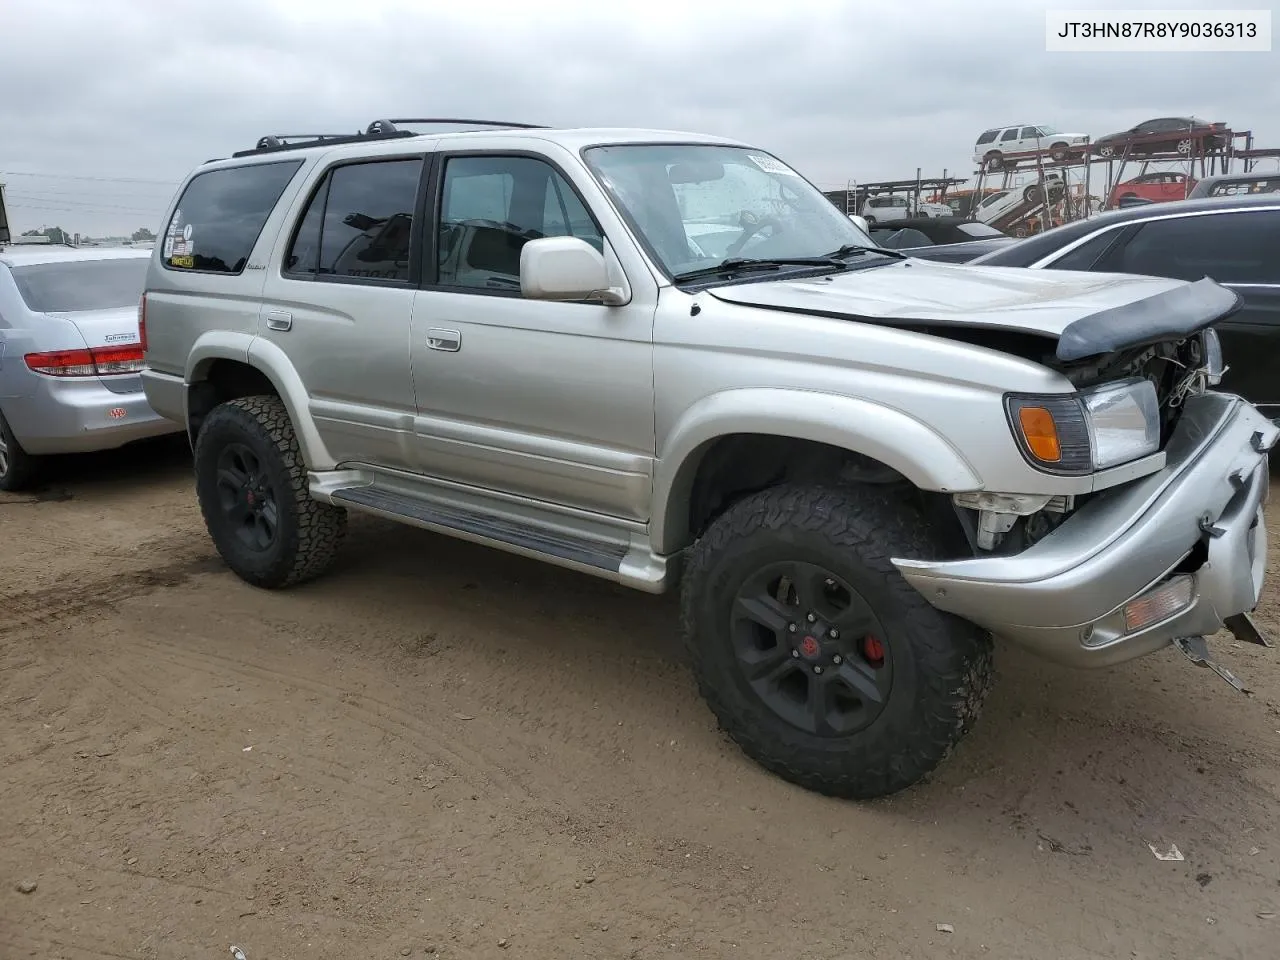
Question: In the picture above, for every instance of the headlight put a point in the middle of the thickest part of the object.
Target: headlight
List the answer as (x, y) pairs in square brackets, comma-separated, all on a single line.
[(1093, 430)]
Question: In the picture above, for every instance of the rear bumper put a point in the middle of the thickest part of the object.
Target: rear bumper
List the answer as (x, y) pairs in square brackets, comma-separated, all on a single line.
[(70, 416), (1065, 597), (167, 396)]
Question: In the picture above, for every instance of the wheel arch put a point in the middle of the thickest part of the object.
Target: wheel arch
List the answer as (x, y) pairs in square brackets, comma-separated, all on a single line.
[(226, 367), (821, 428)]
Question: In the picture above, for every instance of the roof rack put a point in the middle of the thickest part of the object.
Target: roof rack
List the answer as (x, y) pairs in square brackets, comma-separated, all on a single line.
[(378, 130)]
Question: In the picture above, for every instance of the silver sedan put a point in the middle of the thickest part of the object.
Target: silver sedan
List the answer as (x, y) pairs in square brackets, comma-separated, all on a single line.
[(70, 355)]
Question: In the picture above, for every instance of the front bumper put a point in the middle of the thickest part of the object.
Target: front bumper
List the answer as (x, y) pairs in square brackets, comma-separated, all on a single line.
[(81, 416), (1202, 515)]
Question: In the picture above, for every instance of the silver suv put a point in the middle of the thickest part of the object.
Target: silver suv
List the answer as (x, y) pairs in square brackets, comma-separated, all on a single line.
[(659, 358)]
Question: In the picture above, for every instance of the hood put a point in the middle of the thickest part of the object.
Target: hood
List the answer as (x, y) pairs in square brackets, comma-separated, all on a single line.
[(1085, 313)]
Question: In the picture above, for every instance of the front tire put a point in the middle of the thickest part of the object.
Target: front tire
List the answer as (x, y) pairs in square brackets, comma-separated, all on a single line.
[(19, 470), (816, 657), (251, 482)]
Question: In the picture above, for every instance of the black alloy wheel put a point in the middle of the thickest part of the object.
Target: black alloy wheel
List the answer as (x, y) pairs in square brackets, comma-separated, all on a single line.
[(811, 649)]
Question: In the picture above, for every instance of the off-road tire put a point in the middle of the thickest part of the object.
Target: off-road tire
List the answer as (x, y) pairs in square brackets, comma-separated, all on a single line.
[(309, 532), (942, 666), (1058, 152), (20, 470)]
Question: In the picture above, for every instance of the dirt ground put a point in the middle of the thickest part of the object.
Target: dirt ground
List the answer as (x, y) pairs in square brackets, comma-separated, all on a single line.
[(443, 750)]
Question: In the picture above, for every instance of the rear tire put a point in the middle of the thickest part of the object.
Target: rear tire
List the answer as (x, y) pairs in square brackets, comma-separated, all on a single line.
[(252, 485), (813, 704), (19, 470)]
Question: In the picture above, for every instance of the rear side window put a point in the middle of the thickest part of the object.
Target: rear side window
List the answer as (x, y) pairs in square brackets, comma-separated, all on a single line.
[(1229, 247), (221, 215), (359, 223), (988, 137), (1086, 255)]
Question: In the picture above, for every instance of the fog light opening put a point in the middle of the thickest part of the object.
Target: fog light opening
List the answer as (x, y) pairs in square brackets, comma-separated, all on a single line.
[(1158, 604)]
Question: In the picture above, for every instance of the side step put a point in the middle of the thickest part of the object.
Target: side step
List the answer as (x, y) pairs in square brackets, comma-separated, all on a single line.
[(596, 556)]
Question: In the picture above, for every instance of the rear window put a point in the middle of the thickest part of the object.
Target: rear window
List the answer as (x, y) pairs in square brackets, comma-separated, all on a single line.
[(221, 214), (1235, 187), (75, 285)]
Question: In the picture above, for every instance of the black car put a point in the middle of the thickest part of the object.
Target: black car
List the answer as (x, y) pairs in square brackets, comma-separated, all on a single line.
[(1234, 240), (1184, 133), (947, 239)]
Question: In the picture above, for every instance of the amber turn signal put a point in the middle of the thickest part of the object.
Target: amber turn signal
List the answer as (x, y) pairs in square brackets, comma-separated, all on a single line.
[(1041, 433)]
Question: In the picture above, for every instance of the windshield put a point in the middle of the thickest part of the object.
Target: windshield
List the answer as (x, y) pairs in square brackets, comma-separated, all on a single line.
[(979, 230), (696, 205), (74, 285), (1049, 131)]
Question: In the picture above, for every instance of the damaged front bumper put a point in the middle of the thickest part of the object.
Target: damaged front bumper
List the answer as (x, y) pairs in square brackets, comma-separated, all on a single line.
[(1171, 555)]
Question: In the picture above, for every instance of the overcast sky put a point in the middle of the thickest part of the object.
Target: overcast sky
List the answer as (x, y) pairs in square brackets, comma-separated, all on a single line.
[(111, 102)]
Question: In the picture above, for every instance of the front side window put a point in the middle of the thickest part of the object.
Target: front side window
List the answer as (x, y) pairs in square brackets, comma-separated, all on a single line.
[(74, 285), (220, 216), (770, 210), (1029, 133), (358, 223), (491, 206), (1229, 247)]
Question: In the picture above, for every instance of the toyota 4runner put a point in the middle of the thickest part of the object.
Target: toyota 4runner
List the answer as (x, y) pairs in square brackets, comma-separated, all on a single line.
[(666, 359)]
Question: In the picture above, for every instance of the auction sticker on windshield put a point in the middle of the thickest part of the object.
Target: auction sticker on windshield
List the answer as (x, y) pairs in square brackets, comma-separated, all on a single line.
[(770, 165)]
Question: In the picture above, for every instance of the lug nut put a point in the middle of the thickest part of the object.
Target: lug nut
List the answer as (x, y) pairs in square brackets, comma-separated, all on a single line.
[(791, 628), (795, 653), (833, 633), (817, 669), (837, 659), (811, 617)]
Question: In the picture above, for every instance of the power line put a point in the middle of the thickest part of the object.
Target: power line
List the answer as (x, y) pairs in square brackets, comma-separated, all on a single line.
[(67, 176), (44, 203)]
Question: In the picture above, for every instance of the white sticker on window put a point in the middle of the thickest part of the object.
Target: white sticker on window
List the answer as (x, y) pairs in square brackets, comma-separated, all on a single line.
[(770, 165), (186, 233), (168, 246)]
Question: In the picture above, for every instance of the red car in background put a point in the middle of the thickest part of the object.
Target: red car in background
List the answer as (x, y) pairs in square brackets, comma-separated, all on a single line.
[(1155, 187)]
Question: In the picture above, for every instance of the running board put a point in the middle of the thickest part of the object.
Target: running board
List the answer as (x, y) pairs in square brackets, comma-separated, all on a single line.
[(618, 561)]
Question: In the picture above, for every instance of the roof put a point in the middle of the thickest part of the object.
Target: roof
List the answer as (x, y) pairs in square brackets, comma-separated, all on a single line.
[(23, 255), (572, 139)]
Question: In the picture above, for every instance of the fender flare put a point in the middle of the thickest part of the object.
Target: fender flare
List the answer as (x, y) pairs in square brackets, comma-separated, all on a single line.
[(897, 439), (272, 362)]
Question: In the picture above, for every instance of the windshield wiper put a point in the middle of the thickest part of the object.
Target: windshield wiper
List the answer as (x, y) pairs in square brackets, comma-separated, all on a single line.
[(740, 265), (851, 248)]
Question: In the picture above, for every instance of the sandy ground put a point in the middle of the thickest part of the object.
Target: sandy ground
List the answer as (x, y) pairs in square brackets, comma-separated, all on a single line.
[(438, 749)]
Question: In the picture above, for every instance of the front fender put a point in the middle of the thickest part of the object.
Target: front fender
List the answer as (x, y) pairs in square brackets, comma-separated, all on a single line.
[(896, 439)]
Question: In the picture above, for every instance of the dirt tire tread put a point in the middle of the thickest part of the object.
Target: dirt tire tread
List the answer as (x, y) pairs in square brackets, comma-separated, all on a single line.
[(955, 657), (318, 528)]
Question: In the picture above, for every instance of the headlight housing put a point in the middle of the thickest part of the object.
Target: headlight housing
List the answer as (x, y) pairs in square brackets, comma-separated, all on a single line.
[(1079, 433)]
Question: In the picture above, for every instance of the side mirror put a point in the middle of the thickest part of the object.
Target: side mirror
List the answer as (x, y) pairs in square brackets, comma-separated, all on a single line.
[(860, 223), (566, 268)]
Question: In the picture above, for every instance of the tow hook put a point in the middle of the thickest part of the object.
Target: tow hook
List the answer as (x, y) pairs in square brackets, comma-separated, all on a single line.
[(1197, 651)]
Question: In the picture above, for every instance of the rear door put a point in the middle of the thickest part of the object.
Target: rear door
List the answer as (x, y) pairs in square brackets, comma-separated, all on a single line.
[(1240, 249), (338, 300)]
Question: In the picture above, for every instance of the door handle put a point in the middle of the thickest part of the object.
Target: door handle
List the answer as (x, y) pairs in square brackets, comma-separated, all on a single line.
[(450, 341), (279, 320)]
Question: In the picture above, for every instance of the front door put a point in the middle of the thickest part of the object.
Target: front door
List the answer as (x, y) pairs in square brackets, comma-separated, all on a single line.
[(349, 340), (548, 401)]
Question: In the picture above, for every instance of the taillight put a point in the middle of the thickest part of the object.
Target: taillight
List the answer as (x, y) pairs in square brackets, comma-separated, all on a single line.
[(142, 323), (99, 362)]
